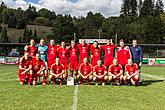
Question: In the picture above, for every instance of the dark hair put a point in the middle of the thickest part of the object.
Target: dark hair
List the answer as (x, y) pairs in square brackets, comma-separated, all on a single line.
[(121, 40)]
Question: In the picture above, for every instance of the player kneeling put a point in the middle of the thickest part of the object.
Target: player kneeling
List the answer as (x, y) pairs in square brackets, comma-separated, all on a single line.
[(132, 73), (100, 73), (85, 72), (115, 72), (57, 72), (39, 68), (25, 69)]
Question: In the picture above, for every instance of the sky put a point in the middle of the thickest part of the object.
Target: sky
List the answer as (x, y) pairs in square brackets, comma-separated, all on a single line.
[(74, 7)]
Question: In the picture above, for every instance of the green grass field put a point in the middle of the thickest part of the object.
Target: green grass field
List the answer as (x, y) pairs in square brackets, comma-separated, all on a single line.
[(149, 96)]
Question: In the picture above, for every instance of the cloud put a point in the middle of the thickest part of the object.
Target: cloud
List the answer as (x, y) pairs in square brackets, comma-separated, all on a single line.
[(78, 8)]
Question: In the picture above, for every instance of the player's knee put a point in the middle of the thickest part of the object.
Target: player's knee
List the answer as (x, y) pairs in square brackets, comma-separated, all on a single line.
[(50, 77), (105, 78), (110, 78), (90, 77), (94, 78), (21, 83)]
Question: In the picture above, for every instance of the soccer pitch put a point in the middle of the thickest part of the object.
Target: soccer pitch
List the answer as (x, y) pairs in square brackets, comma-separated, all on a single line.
[(149, 96)]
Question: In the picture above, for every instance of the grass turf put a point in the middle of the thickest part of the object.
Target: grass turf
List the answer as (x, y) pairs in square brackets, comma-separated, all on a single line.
[(149, 96)]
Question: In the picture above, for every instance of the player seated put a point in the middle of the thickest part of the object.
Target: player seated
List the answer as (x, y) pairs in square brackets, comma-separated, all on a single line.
[(39, 68), (132, 73), (57, 71), (100, 73), (85, 72), (25, 69), (115, 72)]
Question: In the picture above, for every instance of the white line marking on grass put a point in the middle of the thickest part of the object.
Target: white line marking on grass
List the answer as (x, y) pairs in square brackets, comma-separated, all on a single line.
[(7, 73), (6, 80), (154, 76), (75, 98)]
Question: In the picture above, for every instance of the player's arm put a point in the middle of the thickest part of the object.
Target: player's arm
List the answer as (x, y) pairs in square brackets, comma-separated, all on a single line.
[(52, 72), (91, 71), (79, 72), (141, 56), (110, 72), (27, 70), (26, 48), (136, 72)]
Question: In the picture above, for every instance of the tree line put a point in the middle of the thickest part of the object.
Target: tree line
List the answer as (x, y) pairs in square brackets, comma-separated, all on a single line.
[(138, 19)]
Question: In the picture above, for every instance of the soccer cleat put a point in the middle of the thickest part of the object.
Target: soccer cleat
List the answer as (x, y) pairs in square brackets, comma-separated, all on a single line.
[(103, 84)]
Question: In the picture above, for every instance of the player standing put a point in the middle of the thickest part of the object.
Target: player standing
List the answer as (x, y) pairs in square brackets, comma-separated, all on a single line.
[(57, 72), (31, 49), (73, 56), (137, 56), (43, 49), (95, 53), (25, 69), (52, 53), (109, 50), (39, 68), (63, 54), (84, 51), (85, 72), (115, 72), (100, 73), (132, 73), (123, 54)]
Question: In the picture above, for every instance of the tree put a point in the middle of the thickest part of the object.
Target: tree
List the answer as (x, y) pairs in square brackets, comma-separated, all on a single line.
[(159, 7), (46, 14), (147, 8), (43, 21), (6, 15), (12, 23), (4, 36), (21, 23), (35, 34), (30, 14), (129, 8), (3, 6)]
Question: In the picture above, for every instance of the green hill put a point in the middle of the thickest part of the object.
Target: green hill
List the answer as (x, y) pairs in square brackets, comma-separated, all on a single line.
[(14, 34)]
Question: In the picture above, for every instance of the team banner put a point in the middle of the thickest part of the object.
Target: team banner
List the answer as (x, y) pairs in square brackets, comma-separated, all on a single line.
[(92, 40), (9, 60)]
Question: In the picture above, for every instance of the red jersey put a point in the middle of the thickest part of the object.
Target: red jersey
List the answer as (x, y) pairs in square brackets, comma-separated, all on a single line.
[(131, 69), (84, 51), (99, 70), (73, 53), (109, 50), (96, 52), (32, 50), (52, 52), (37, 64), (57, 68), (123, 54), (25, 63), (63, 53), (85, 69), (115, 69)]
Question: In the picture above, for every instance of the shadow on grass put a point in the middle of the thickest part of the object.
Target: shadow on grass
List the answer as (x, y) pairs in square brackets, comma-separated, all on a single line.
[(150, 82)]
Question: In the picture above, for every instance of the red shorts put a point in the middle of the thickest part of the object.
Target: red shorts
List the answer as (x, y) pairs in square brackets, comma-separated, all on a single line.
[(22, 77), (108, 61), (35, 75), (100, 79), (65, 63), (73, 65), (50, 62), (135, 79), (94, 62)]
